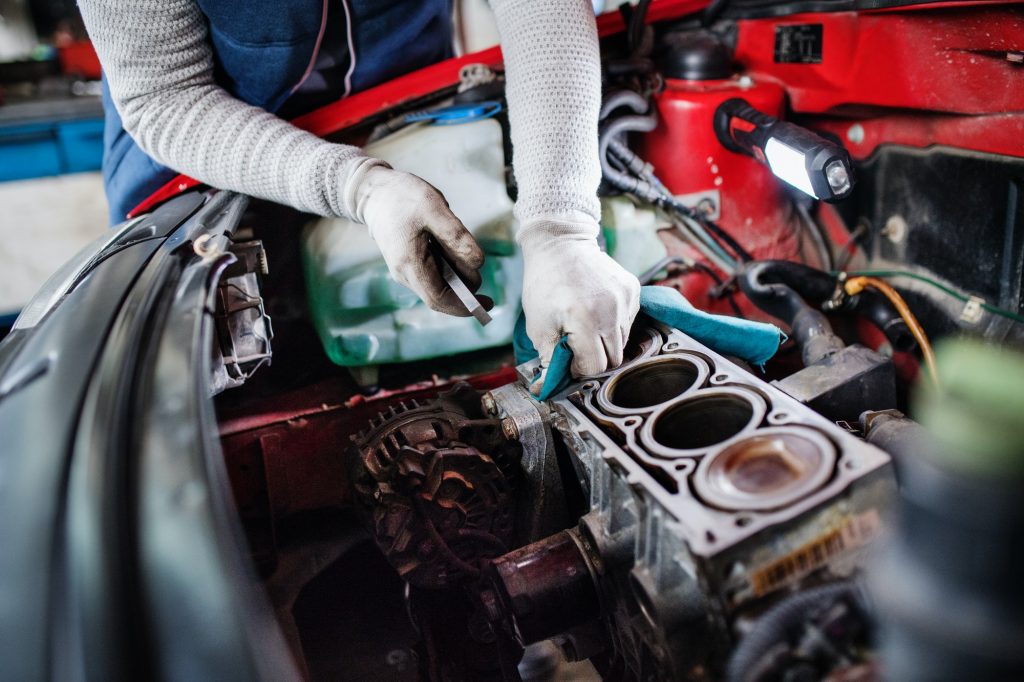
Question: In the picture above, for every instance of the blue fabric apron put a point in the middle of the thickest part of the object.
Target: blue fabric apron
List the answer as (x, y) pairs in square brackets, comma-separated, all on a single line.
[(262, 49)]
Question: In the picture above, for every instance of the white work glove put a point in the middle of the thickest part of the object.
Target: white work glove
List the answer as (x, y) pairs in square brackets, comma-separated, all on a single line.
[(403, 214), (572, 287)]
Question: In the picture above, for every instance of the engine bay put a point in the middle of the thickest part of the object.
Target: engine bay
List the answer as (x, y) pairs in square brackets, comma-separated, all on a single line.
[(414, 512)]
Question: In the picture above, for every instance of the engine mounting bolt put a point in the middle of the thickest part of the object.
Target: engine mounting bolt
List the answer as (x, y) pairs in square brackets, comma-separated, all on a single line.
[(509, 428), (487, 402)]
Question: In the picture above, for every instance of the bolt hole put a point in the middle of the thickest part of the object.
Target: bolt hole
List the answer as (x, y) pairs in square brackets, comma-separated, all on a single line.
[(780, 416), (671, 346), (850, 464), (744, 521), (720, 378), (589, 385), (709, 536), (632, 421)]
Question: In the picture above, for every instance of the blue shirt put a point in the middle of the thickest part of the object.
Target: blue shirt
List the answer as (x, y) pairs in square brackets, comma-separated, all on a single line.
[(289, 57)]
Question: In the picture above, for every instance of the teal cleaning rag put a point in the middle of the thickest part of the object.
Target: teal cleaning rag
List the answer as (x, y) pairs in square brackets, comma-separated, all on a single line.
[(754, 342)]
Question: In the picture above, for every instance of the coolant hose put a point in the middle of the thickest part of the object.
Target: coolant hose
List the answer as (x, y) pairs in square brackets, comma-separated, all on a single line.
[(877, 310), (815, 287), (778, 623), (814, 335), (898, 435), (767, 285), (812, 285)]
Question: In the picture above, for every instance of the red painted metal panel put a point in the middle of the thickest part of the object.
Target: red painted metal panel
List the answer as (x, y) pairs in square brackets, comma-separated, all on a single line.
[(994, 134), (951, 59)]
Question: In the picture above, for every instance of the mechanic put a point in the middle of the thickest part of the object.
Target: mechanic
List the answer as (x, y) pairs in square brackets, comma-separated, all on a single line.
[(201, 86)]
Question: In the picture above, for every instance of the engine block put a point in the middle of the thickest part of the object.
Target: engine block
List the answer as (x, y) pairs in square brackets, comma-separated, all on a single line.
[(711, 494)]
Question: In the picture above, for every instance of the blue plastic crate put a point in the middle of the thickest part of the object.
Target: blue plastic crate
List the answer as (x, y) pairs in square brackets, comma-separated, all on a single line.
[(81, 145), (33, 150), (29, 151)]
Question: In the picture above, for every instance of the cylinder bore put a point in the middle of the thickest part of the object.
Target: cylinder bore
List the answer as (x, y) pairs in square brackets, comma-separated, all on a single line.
[(687, 427), (772, 468), (650, 383)]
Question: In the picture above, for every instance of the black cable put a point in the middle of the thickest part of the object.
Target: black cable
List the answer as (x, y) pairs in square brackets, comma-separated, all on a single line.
[(713, 10), (641, 181), (721, 286), (722, 236), (716, 230), (648, 276), (690, 267), (637, 20), (777, 624), (818, 237)]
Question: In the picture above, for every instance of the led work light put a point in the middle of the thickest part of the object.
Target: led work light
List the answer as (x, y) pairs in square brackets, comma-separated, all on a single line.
[(795, 155)]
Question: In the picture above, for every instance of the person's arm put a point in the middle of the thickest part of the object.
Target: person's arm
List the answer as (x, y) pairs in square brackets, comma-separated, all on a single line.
[(159, 67), (553, 87)]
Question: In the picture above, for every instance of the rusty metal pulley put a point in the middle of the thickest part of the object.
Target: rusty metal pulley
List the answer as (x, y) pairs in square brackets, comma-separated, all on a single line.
[(436, 485)]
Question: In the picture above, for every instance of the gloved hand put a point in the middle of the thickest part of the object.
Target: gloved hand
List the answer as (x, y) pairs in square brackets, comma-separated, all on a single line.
[(404, 214), (571, 287)]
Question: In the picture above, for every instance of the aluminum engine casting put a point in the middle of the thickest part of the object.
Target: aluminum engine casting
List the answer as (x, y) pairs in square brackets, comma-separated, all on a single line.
[(712, 494)]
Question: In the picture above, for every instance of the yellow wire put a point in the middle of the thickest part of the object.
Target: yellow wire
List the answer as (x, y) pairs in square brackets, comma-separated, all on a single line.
[(855, 285)]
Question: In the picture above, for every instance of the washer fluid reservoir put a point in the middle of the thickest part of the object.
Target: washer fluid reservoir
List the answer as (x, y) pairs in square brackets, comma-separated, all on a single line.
[(364, 317)]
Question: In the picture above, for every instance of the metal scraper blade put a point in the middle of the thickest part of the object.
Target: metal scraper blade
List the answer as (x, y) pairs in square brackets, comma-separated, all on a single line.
[(462, 291)]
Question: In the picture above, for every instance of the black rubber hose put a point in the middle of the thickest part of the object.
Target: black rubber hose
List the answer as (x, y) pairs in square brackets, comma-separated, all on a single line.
[(877, 309), (778, 623), (814, 336), (815, 287), (901, 437), (767, 285)]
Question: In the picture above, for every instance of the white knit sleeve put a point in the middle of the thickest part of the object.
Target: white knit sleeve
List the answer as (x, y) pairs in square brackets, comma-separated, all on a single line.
[(553, 87), (159, 66)]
